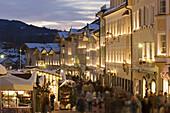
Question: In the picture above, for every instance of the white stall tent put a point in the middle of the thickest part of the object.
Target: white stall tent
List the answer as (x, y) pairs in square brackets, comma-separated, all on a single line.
[(9, 82), (2, 70)]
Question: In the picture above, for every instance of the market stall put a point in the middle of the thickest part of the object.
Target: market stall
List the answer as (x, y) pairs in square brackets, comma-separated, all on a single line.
[(15, 94), (66, 95)]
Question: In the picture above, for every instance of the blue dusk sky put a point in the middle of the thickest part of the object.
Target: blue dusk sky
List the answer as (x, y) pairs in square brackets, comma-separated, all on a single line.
[(55, 14)]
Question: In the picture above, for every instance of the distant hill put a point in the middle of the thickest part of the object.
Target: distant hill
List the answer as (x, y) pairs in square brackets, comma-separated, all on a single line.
[(18, 32)]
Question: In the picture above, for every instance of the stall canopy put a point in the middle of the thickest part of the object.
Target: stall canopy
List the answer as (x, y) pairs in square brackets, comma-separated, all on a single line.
[(10, 82)]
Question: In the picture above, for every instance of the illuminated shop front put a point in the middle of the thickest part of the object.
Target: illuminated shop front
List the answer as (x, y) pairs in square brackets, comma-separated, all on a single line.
[(15, 95), (51, 80), (12, 99)]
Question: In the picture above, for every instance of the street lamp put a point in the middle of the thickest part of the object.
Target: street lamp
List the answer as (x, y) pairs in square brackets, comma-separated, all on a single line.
[(2, 56), (131, 37)]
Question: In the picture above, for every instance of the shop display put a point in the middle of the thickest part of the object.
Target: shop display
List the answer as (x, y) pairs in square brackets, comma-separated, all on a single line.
[(64, 96), (19, 101)]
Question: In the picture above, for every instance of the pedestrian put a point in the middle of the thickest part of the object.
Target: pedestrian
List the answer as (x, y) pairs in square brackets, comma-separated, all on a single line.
[(107, 102), (85, 88), (97, 89), (146, 105), (160, 102), (91, 88), (52, 97), (100, 105), (135, 105), (152, 99), (89, 98), (95, 106), (167, 105), (81, 104), (45, 103)]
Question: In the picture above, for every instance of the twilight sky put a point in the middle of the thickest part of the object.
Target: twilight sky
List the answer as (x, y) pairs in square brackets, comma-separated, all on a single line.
[(57, 14)]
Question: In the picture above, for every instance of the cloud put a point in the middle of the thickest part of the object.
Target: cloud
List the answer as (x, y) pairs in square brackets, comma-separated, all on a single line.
[(58, 14)]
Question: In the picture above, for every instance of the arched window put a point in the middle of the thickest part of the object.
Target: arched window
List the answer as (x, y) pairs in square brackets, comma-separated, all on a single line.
[(153, 86), (144, 87)]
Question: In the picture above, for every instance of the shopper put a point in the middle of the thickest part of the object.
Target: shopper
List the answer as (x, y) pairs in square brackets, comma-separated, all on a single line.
[(45, 104), (52, 97), (89, 98), (146, 105), (107, 102), (135, 105), (152, 99), (81, 104), (160, 102)]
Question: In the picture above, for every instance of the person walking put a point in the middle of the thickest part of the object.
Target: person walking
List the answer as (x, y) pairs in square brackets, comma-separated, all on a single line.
[(45, 104), (160, 102), (152, 99), (107, 102), (52, 97), (81, 104), (89, 98), (135, 105), (146, 105)]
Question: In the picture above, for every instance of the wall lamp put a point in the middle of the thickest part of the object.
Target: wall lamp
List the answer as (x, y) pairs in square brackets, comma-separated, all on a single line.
[(110, 35)]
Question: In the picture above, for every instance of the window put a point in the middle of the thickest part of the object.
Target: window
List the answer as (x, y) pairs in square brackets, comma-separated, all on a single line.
[(140, 17), (146, 16), (148, 49), (69, 51), (163, 43), (162, 6), (152, 14)]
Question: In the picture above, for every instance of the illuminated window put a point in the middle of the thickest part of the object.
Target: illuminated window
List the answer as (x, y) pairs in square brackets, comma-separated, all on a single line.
[(69, 51)]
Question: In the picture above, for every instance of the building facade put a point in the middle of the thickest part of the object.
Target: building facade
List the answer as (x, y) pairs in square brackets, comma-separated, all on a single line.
[(42, 55), (162, 30)]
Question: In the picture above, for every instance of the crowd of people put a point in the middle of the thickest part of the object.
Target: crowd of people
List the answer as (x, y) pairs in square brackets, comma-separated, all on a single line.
[(93, 97), (155, 103)]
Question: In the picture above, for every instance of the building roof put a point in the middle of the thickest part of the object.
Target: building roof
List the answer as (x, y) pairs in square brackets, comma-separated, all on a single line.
[(74, 31), (111, 10), (93, 26), (63, 33), (54, 46)]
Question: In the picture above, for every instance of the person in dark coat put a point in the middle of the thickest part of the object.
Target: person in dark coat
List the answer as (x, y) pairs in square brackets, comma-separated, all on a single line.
[(146, 105), (81, 104), (52, 97), (45, 104)]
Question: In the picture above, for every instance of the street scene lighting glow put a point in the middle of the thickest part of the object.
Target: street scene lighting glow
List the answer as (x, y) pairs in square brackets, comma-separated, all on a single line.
[(2, 56), (140, 45)]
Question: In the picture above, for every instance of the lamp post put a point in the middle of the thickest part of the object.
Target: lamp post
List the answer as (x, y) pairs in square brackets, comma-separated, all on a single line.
[(20, 57), (131, 40)]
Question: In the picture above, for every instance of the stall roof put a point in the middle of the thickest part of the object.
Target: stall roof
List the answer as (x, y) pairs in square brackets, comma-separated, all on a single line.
[(10, 82)]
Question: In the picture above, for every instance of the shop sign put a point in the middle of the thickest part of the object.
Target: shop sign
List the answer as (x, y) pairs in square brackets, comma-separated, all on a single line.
[(165, 75)]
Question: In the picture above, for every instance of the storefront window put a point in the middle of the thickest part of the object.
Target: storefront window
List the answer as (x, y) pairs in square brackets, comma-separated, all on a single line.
[(14, 99)]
